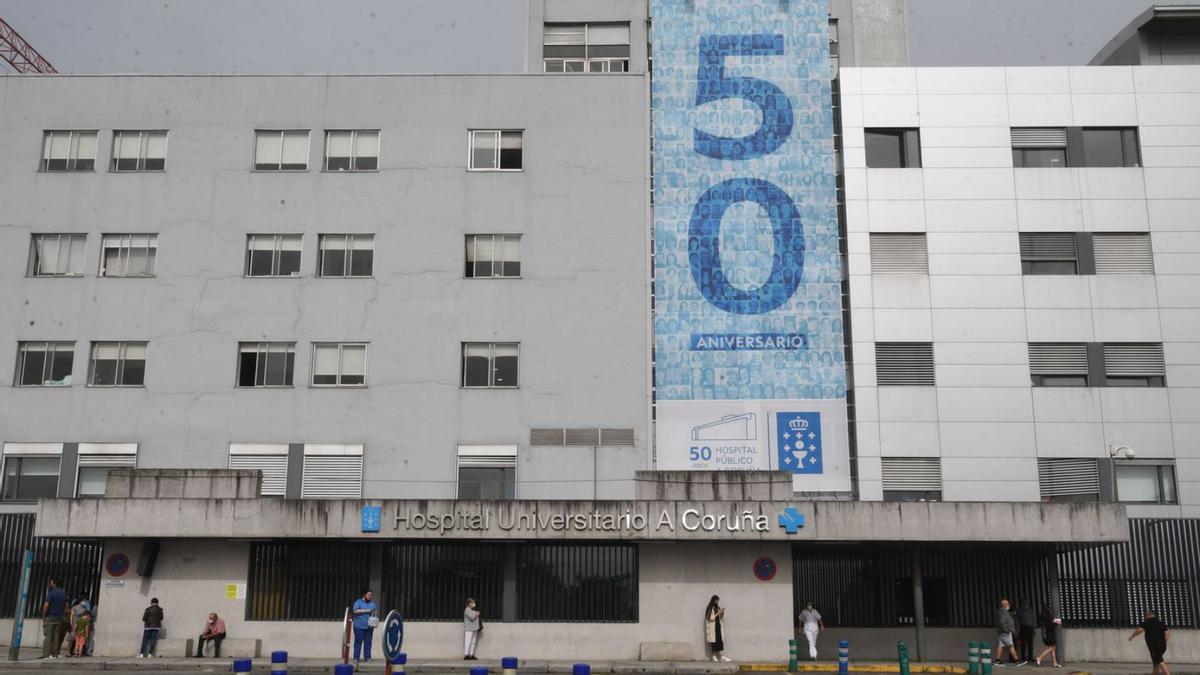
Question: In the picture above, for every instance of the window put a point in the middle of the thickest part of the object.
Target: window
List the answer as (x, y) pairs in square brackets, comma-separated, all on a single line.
[(904, 363), (95, 460), (1145, 482), (1039, 147), (428, 580), (495, 150), (56, 255), (912, 479), (489, 364), (1069, 479), (352, 150), (1049, 253), (139, 151), (346, 255), (117, 364), (893, 148), (44, 364), (273, 255), (834, 51), (1116, 146), (266, 364), (1123, 253), (332, 472), (281, 150), (1055, 364), (339, 365), (269, 458), (128, 255), (284, 576), (493, 256), (1134, 365), (899, 253), (577, 582), (487, 471), (69, 151), (586, 48), (28, 478)]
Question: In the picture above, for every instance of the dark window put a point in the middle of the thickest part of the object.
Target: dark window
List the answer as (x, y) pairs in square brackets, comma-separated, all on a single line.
[(493, 150), (489, 364), (577, 582), (1034, 158), (301, 581), (1035, 147), (1049, 253), (432, 581), (118, 364), (912, 495), (28, 478), (273, 255), (493, 256), (893, 148), (44, 364), (266, 364), (139, 151), (1111, 147), (486, 482), (346, 255)]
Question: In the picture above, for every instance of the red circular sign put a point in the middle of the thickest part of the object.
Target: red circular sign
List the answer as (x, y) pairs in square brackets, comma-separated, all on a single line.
[(765, 569), (117, 565)]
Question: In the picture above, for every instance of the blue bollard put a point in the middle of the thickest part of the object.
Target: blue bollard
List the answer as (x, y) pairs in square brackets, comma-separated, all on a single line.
[(843, 657), (242, 666), (479, 670), (279, 663), (579, 669), (398, 663), (343, 669), (508, 665)]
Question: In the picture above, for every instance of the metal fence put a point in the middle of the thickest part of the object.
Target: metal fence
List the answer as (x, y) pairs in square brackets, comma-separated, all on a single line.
[(577, 582), (305, 581), (431, 581), (75, 563)]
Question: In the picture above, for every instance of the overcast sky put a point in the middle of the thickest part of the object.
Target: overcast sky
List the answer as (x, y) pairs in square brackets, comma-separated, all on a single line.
[(472, 36)]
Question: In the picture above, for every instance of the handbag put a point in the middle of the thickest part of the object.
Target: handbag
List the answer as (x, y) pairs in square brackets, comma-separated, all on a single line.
[(373, 620)]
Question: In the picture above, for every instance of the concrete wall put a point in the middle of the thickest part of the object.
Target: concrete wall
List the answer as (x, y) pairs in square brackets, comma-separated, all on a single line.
[(579, 311), (984, 420)]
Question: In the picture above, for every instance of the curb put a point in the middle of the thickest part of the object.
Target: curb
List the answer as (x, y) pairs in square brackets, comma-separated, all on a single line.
[(833, 668)]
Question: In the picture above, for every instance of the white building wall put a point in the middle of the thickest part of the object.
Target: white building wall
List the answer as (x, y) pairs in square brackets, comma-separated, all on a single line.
[(983, 418)]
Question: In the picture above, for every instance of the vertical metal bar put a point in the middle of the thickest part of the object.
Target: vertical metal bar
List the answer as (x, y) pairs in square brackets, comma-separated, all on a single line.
[(918, 592)]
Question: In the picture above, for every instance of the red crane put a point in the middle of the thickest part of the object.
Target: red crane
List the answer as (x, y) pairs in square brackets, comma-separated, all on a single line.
[(20, 54)]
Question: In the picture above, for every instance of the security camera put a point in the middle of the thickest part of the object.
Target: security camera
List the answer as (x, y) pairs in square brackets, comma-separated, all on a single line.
[(1121, 451)]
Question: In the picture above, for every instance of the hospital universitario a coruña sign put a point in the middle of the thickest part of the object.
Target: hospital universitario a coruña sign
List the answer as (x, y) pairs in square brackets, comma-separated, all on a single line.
[(750, 365)]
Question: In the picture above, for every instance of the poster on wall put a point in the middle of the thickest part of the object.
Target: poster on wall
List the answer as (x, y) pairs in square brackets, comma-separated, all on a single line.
[(750, 365)]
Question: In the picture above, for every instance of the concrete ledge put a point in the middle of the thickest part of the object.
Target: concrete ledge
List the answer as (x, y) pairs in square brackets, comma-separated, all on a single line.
[(665, 651), (175, 647)]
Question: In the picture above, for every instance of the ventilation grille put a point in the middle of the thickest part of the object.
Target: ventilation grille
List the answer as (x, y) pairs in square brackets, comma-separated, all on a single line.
[(1067, 477), (582, 436), (1123, 253), (486, 461), (1048, 246), (1039, 137), (1134, 360), (332, 477), (273, 468), (899, 254), (1053, 358), (904, 363), (921, 474)]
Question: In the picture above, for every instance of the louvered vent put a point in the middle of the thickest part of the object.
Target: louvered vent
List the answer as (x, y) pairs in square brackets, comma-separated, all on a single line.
[(273, 468), (487, 456), (1062, 477), (332, 472), (1048, 246), (583, 436), (920, 474), (546, 437), (1057, 358), (1134, 360), (1039, 137), (899, 254), (1123, 253), (616, 437), (904, 363)]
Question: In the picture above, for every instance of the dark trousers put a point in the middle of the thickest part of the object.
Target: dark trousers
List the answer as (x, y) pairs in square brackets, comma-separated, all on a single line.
[(53, 631), (216, 639), (1026, 643), (149, 641)]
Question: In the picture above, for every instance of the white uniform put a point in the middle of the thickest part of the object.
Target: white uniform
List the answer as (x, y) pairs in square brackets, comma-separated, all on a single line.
[(810, 619)]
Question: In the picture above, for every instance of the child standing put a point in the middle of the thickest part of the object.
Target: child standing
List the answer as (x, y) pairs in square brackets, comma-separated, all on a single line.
[(83, 627)]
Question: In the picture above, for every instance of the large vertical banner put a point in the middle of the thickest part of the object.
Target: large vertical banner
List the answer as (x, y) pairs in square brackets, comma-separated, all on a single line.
[(750, 368)]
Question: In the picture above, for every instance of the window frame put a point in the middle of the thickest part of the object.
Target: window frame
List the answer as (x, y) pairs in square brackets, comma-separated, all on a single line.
[(143, 150), (122, 358), (1158, 465), (347, 263), (353, 150), (282, 141), (19, 458), (73, 136), (1125, 143), (341, 346), (276, 256), (123, 254), (23, 350), (496, 155), (473, 244), (289, 348), (585, 62), (1044, 266), (491, 365), (33, 263), (901, 135)]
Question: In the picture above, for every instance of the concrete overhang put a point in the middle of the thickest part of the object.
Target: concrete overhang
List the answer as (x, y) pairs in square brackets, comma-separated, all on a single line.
[(1156, 13), (634, 520)]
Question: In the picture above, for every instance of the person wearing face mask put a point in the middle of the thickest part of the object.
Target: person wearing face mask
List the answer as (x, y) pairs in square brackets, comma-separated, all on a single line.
[(472, 624), (366, 618), (811, 623), (714, 628)]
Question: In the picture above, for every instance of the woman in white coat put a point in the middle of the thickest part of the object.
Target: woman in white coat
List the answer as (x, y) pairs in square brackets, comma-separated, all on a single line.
[(714, 629)]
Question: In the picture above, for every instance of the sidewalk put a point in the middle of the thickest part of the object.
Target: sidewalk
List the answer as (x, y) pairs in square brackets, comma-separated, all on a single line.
[(420, 666)]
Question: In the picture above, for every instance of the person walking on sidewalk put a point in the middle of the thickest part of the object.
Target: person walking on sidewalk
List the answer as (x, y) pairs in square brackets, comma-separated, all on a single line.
[(472, 624), (1157, 636), (714, 628), (54, 620), (366, 618), (811, 623), (1004, 633), (1049, 636), (1027, 625), (152, 620)]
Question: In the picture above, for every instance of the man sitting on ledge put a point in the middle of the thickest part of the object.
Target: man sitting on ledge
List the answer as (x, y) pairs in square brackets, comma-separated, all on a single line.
[(214, 631)]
